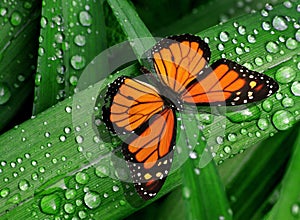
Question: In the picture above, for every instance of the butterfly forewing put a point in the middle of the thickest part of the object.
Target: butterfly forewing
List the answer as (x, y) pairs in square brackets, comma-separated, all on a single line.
[(131, 103), (178, 60)]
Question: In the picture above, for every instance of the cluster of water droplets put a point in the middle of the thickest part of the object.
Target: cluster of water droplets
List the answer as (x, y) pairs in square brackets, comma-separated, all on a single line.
[(13, 15), (69, 36)]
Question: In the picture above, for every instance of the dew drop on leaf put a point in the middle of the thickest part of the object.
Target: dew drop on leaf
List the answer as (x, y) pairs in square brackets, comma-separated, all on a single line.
[(78, 62), (23, 185), (85, 18), (283, 120), (186, 192), (295, 210), (82, 178), (224, 36), (251, 39), (266, 26), (262, 124), (4, 192), (5, 93), (80, 40), (272, 47), (267, 105), (16, 18), (287, 102), (69, 208), (297, 35), (295, 88), (92, 200), (231, 137), (285, 74), (3, 11), (279, 23), (291, 44), (227, 149), (44, 22)]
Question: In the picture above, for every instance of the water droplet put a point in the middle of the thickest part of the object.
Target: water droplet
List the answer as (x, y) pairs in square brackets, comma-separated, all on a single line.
[(4, 192), (279, 23), (285, 74), (73, 80), (295, 209), (272, 47), (295, 88), (242, 30), (186, 192), (85, 18), (220, 140), (82, 214), (82, 178), (16, 18), (264, 13), (287, 102), (224, 36), (239, 51), (287, 4), (248, 114), (70, 193), (232, 137), (115, 188), (59, 37), (258, 61), (5, 93), (267, 105), (251, 39), (92, 200), (283, 120), (291, 44), (69, 208), (44, 22), (227, 149), (297, 35), (221, 47), (262, 124), (78, 62), (80, 40), (3, 11), (266, 26), (23, 185)]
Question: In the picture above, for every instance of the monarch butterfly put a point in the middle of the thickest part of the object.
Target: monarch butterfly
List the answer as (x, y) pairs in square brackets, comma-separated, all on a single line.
[(139, 109)]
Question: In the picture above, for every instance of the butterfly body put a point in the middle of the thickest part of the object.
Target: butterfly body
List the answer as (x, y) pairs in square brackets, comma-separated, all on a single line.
[(146, 112)]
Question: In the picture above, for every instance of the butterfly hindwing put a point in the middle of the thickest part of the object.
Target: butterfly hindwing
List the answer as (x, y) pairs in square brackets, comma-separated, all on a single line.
[(130, 103), (149, 153), (177, 60), (228, 83)]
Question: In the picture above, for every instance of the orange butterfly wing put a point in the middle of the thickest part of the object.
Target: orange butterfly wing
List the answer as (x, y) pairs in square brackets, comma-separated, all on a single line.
[(178, 60), (129, 104), (228, 83), (149, 152)]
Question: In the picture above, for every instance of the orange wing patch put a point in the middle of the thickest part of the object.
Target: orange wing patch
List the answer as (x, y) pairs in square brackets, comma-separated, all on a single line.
[(149, 153), (178, 60), (132, 102), (229, 83)]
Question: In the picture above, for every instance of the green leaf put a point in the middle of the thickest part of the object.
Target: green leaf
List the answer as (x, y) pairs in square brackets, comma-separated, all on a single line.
[(72, 34), (19, 31), (287, 206), (65, 162)]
